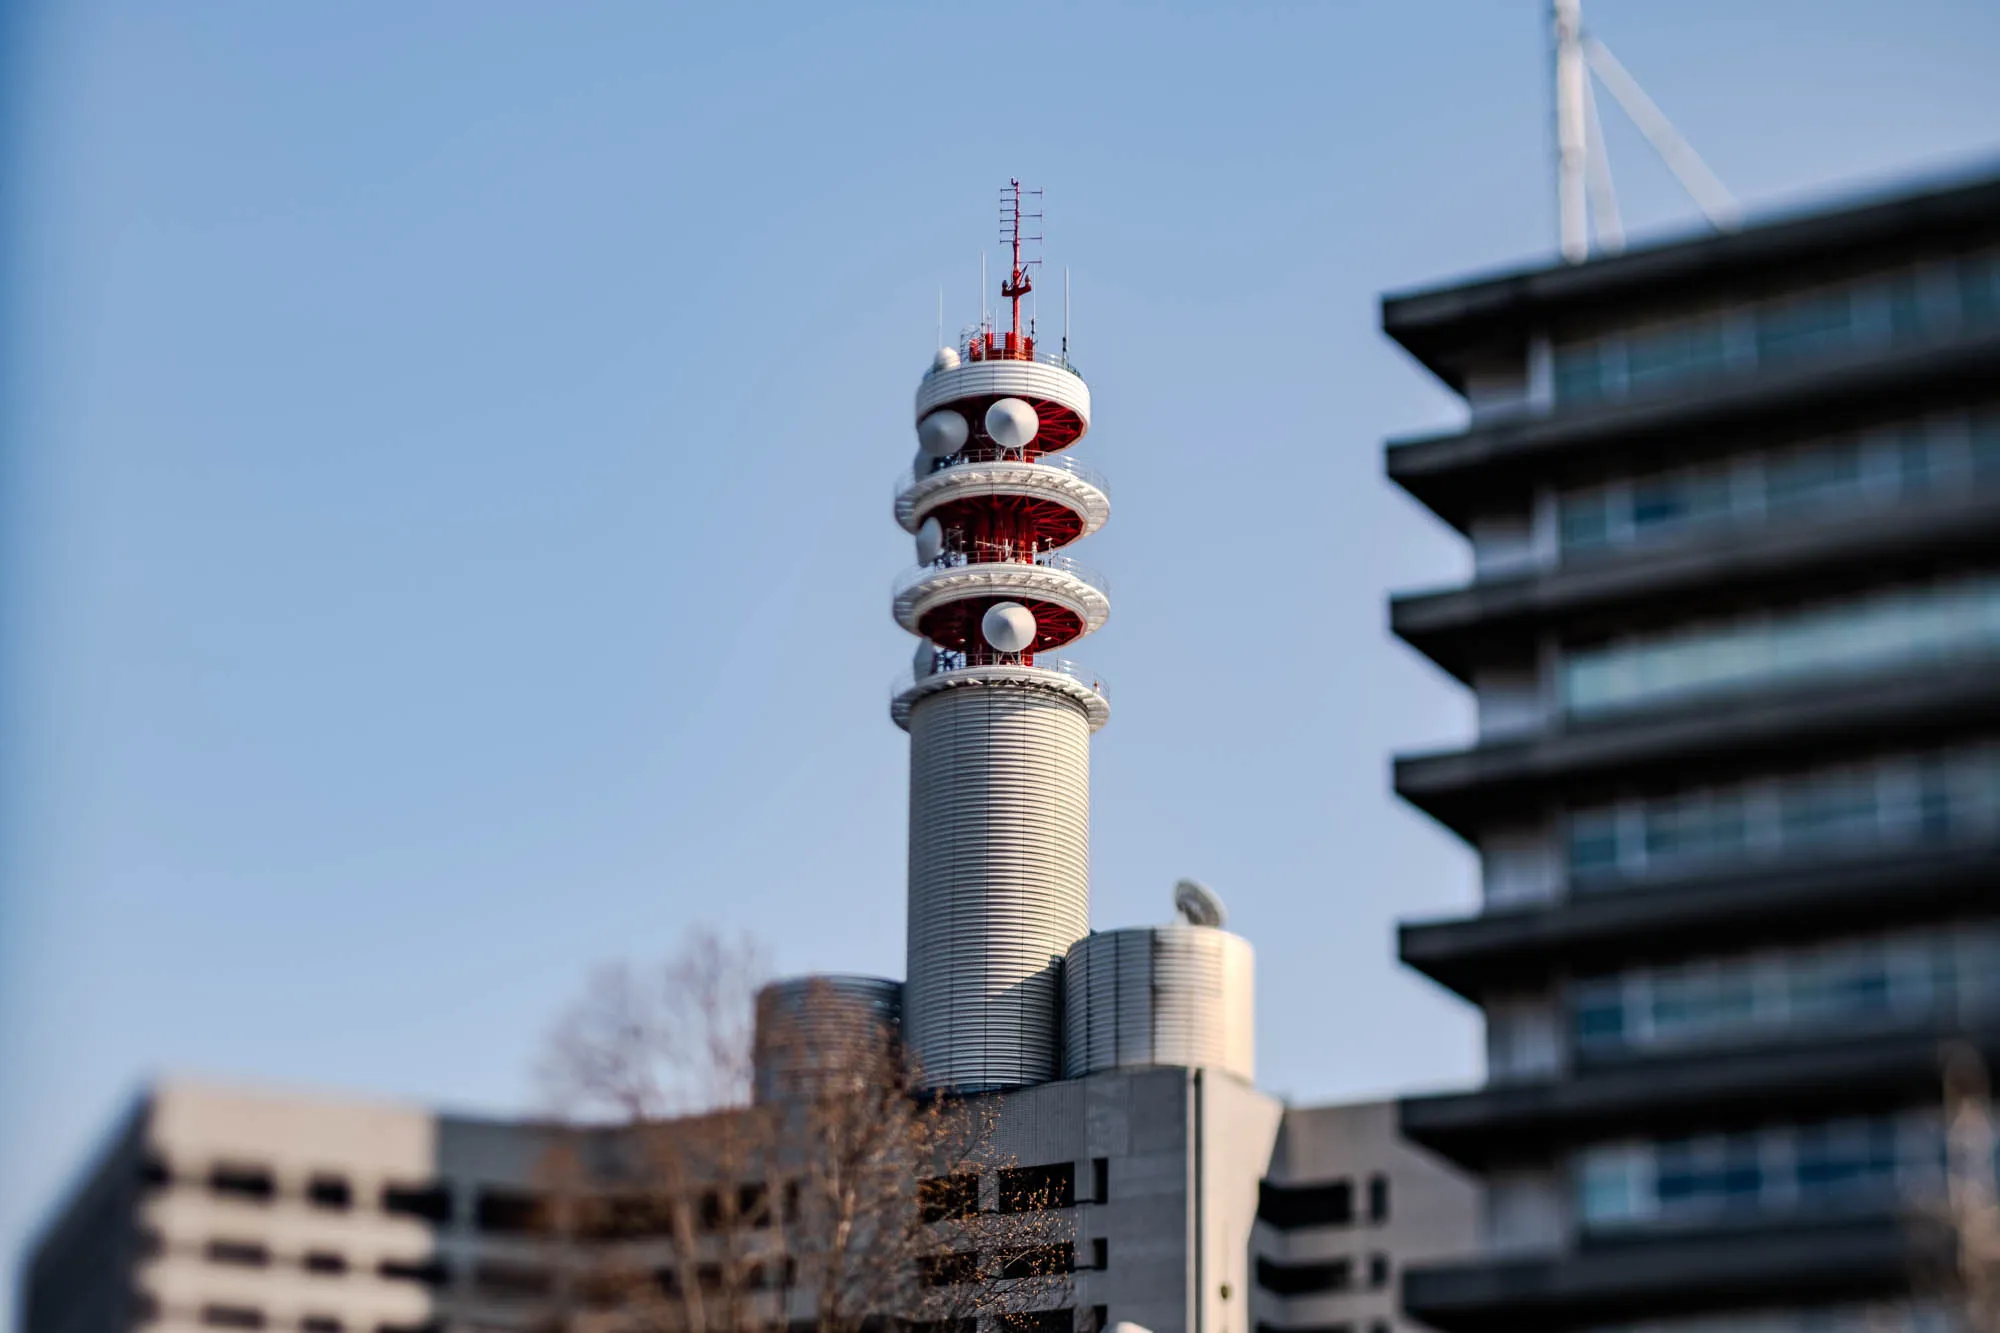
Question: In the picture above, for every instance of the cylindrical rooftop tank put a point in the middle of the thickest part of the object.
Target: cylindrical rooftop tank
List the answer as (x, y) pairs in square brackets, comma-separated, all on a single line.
[(1159, 995), (999, 880), (811, 1031)]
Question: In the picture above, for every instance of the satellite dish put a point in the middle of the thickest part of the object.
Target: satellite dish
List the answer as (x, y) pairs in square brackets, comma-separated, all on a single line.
[(1008, 626), (942, 433), (925, 662), (930, 540), (946, 359), (1198, 905), (1012, 423)]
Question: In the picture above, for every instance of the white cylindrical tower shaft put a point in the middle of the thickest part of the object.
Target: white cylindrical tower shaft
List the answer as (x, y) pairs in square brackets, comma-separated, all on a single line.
[(999, 880)]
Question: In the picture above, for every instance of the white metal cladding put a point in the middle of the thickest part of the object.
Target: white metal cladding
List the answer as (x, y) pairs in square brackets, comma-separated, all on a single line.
[(999, 880), (1159, 995), (807, 1026), (1004, 379)]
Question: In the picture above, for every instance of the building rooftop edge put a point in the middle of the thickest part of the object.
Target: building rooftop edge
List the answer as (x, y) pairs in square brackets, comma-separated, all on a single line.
[(1433, 321)]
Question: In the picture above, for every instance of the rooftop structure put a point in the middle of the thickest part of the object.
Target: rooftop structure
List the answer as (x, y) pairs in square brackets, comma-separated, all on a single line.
[(1734, 636)]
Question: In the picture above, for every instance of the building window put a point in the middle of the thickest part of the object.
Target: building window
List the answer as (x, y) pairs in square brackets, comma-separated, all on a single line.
[(429, 1202), (1028, 1189), (500, 1278), (949, 1270), (1100, 1180), (429, 1272), (949, 1198), (320, 1323), (1039, 1321), (235, 1181), (154, 1174), (1794, 329), (1100, 1253), (1873, 1159), (1914, 457), (243, 1253), (1956, 620), (1378, 1198), (623, 1217), (1100, 1319), (1939, 797), (1940, 972), (332, 1192), (232, 1316), (1378, 1270), (1304, 1279), (510, 1212), (1323, 1204), (1037, 1261), (325, 1262)]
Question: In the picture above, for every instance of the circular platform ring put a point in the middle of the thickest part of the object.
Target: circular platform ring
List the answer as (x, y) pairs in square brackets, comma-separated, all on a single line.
[(1071, 485), (1060, 397), (921, 589)]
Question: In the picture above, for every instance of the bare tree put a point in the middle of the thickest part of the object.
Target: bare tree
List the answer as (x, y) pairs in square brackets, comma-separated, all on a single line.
[(841, 1194)]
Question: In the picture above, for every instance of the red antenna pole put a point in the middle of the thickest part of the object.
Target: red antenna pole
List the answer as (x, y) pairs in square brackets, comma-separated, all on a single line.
[(1019, 282)]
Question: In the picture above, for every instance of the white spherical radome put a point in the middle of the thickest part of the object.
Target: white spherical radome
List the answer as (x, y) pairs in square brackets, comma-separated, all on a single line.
[(946, 359), (1008, 626), (925, 662), (1012, 423), (930, 541), (942, 433)]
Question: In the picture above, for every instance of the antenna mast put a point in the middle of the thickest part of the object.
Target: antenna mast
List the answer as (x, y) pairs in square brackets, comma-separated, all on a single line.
[(1019, 281), (1583, 168)]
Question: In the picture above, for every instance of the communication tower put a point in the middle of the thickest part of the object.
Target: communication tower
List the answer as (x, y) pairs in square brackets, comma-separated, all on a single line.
[(999, 722)]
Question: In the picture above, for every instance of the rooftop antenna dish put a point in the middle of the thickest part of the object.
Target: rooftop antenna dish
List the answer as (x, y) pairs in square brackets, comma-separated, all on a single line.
[(1583, 169), (1198, 905)]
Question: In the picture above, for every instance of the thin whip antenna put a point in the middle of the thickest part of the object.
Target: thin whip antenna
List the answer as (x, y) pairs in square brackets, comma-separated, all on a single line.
[(1065, 347)]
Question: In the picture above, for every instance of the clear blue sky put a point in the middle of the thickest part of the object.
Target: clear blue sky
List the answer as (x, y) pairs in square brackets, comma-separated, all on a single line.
[(450, 450)]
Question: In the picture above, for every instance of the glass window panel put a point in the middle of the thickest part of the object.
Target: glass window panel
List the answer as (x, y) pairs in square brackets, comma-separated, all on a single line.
[(1672, 352), (1986, 444), (1805, 326), (1600, 1016), (1586, 519), (1804, 478), (1979, 289), (1906, 309), (1593, 842), (1915, 457), (1579, 374)]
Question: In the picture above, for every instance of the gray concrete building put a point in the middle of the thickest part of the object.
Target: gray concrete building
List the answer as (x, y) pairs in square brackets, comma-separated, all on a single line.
[(216, 1206), (1734, 634)]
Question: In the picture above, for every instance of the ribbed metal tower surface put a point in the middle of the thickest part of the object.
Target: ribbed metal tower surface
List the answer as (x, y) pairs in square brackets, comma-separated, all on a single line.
[(999, 880), (1159, 995), (809, 1030)]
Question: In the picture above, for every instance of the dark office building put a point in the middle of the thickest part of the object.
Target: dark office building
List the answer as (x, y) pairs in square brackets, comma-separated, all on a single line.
[(1734, 635)]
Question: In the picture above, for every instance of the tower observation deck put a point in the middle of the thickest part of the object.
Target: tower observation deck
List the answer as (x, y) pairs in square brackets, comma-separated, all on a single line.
[(999, 722)]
